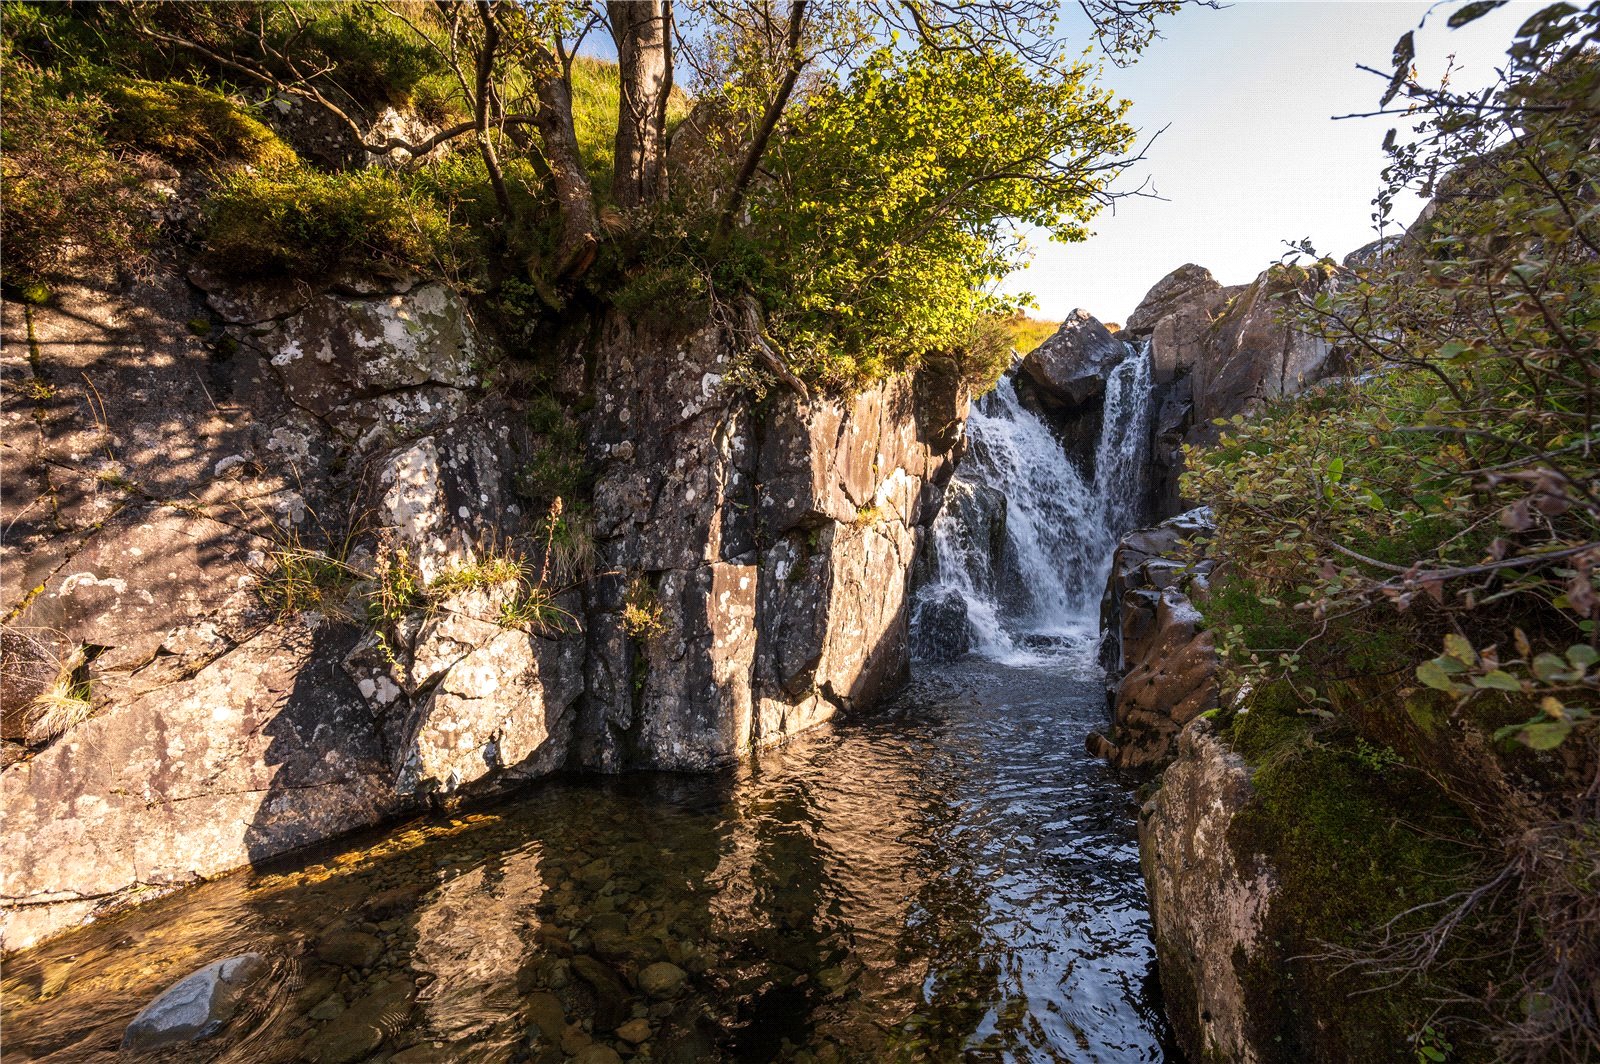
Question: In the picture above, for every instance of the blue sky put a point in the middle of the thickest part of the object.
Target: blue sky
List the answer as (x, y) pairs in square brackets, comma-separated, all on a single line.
[(1252, 156)]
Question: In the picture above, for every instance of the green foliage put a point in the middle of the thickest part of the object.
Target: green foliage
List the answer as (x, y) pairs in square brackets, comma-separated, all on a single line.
[(297, 579), (1351, 850), (642, 616), (981, 355), (67, 195), (1028, 333), (556, 470), (1457, 482), (1427, 535), (187, 124), (666, 295), (300, 222), (519, 599), (397, 585), (371, 55), (596, 95), (889, 213)]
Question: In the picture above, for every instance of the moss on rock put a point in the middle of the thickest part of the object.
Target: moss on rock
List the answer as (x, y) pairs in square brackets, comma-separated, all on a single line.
[(1355, 842)]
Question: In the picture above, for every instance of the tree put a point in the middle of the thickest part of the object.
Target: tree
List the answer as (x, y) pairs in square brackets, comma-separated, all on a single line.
[(762, 75)]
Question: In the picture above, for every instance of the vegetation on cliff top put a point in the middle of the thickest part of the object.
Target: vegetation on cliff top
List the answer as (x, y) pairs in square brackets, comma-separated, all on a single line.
[(1413, 553), (853, 172)]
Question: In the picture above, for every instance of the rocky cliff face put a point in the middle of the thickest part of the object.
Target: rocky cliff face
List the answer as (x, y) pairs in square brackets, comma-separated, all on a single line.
[(1219, 351), (774, 541), (175, 451)]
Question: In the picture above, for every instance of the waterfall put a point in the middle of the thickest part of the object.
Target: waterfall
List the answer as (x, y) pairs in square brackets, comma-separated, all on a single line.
[(1019, 555)]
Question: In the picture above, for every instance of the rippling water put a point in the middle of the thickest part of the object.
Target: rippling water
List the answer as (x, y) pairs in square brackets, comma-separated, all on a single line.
[(952, 879)]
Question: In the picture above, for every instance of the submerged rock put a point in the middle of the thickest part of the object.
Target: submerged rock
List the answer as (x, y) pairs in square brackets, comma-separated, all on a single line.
[(349, 949), (196, 1006), (661, 979), (941, 632)]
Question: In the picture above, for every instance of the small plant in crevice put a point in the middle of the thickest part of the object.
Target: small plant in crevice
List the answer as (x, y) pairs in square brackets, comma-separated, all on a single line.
[(642, 615), (556, 469), (398, 586), (869, 515), (65, 700), (297, 577), (1432, 1046)]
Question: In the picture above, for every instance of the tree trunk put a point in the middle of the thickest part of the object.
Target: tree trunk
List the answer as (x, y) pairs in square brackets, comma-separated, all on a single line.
[(640, 30), (575, 249)]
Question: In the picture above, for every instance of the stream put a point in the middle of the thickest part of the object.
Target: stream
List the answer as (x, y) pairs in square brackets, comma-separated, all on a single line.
[(948, 878)]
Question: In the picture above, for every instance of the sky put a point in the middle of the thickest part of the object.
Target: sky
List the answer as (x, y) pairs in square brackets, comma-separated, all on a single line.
[(1251, 156)]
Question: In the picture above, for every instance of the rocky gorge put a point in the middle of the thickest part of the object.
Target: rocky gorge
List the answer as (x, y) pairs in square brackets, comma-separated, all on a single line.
[(220, 730), (756, 569)]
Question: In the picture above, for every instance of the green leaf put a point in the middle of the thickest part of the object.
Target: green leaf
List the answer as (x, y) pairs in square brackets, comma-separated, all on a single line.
[(1458, 647), (1497, 680), (1582, 656), (1432, 675), (1549, 668), (1546, 735)]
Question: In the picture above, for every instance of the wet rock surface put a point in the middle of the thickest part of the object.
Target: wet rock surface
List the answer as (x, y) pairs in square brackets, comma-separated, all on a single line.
[(195, 1007), (1161, 662), (1208, 905)]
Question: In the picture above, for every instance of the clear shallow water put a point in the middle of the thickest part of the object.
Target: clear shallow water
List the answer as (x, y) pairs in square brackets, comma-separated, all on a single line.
[(952, 879)]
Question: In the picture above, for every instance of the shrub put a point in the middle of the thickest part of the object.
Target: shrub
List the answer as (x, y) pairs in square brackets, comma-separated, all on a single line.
[(297, 221), (67, 195), (642, 616), (374, 58), (556, 470)]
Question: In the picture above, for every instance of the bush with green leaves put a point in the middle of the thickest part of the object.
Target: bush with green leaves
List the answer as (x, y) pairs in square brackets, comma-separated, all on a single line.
[(1415, 552)]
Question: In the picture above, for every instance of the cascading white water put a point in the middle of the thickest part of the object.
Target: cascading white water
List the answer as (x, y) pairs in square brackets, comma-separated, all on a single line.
[(1021, 550)]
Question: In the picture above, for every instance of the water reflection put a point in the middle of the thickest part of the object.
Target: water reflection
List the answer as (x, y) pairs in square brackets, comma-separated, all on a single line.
[(951, 880)]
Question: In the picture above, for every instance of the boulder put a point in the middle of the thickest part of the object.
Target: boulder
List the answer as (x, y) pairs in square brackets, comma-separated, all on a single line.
[(1186, 286), (349, 949), (1162, 664), (467, 699), (941, 630), (196, 1006), (1254, 355), (1176, 317), (1208, 906), (1070, 367)]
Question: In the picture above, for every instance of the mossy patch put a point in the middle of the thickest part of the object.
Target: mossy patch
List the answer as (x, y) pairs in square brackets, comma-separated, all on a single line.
[(188, 125), (1354, 841), (299, 222)]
